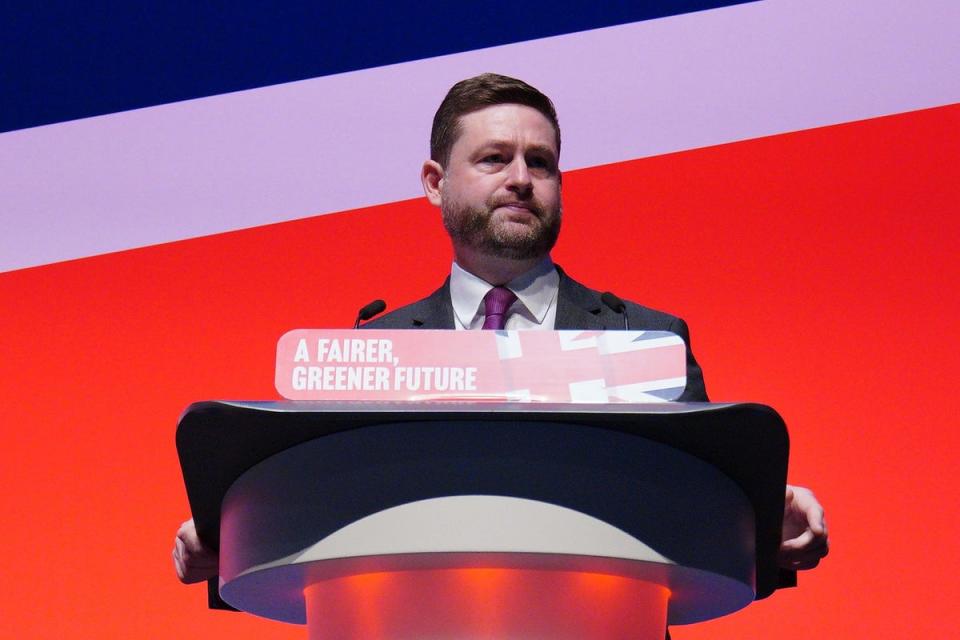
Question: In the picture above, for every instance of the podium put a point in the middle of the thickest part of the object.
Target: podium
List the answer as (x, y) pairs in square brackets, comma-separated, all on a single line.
[(487, 520)]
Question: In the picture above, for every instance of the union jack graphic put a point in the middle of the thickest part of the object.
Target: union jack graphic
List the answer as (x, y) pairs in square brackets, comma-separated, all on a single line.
[(593, 366)]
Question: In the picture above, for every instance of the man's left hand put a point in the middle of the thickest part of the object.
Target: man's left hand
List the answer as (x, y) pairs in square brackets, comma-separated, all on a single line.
[(804, 540)]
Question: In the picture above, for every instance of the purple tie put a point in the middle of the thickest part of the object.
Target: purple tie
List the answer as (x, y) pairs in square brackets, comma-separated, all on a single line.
[(495, 305)]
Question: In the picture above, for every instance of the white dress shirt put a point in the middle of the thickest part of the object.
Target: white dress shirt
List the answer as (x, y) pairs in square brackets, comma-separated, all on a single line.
[(535, 308)]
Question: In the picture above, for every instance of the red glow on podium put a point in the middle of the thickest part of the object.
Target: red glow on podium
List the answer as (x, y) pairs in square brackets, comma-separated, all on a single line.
[(467, 604)]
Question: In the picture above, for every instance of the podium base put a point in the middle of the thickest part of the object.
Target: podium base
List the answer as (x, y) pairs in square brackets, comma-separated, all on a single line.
[(475, 604)]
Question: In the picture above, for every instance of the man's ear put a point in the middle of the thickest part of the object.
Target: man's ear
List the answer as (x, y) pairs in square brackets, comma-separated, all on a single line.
[(432, 178)]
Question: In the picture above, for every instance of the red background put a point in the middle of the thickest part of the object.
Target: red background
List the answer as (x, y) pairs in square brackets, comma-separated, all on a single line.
[(817, 271)]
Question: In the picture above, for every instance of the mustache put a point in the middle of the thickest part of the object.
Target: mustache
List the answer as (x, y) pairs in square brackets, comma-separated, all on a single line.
[(535, 207)]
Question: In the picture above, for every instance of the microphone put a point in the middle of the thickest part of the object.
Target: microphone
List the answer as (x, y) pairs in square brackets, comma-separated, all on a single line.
[(616, 305), (367, 312)]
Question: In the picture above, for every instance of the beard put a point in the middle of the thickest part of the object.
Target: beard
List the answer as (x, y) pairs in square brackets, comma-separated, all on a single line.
[(476, 228)]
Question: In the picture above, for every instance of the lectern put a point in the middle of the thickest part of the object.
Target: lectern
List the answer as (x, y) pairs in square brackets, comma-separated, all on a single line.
[(462, 520)]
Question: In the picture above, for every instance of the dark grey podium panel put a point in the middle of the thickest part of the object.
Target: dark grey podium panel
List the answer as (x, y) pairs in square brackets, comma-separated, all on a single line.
[(578, 456)]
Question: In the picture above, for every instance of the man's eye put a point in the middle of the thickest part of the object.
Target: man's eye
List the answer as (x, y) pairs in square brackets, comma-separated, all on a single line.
[(493, 158), (540, 164)]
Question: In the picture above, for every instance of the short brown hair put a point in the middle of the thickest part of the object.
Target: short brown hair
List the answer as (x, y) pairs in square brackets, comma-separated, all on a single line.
[(475, 93)]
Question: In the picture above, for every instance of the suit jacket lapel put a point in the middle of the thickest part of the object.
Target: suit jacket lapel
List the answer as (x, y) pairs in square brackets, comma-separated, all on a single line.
[(577, 306), (435, 311)]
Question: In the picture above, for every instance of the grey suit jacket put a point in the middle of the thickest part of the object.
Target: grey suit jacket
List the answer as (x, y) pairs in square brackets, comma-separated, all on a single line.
[(578, 308)]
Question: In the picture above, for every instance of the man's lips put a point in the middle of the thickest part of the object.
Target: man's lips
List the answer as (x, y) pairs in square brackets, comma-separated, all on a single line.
[(525, 207)]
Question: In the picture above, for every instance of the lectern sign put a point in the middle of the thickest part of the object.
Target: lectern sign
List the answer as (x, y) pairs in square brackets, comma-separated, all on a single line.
[(532, 366)]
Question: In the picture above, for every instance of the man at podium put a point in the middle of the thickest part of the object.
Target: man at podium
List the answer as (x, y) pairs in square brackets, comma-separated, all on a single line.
[(493, 172)]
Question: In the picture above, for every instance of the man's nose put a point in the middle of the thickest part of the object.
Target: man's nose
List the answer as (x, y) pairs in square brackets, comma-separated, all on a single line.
[(518, 176)]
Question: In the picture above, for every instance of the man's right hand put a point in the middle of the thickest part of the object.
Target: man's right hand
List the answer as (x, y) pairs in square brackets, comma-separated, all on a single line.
[(193, 561)]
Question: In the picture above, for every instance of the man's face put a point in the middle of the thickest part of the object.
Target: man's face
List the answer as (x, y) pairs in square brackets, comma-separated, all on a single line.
[(500, 192)]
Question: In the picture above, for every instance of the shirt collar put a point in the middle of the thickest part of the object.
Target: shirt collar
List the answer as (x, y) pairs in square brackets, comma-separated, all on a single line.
[(536, 290)]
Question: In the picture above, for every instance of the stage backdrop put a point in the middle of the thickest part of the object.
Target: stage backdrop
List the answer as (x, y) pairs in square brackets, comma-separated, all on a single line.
[(181, 186)]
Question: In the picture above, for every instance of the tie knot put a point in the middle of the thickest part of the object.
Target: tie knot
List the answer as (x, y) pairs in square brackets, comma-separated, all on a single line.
[(495, 305)]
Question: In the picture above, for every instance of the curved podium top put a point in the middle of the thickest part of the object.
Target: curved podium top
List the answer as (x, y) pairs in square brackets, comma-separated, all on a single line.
[(219, 441)]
